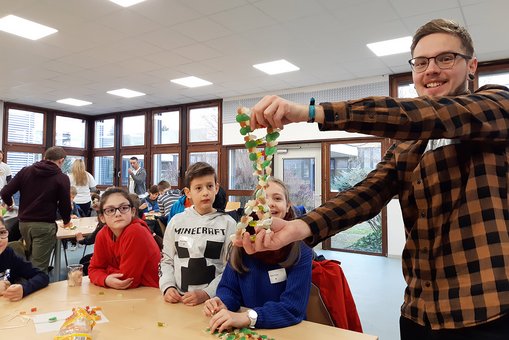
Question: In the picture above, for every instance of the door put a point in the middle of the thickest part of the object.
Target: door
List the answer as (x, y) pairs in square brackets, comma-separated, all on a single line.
[(298, 165)]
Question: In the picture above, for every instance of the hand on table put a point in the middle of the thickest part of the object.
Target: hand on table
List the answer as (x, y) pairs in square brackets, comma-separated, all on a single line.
[(172, 295), (224, 319), (4, 284), (195, 297), (212, 306), (79, 237), (68, 225), (13, 292), (114, 281)]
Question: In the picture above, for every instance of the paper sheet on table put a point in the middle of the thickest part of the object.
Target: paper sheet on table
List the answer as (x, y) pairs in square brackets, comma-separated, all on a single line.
[(42, 324)]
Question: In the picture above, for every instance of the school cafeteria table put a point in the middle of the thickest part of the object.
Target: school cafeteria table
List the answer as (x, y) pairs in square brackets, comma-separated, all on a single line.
[(84, 225), (135, 314)]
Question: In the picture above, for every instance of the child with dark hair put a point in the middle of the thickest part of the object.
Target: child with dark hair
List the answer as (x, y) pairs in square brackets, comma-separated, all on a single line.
[(195, 242), (273, 285), (125, 252), (18, 278)]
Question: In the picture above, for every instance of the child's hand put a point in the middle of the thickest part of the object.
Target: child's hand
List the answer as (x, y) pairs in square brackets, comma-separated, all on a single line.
[(224, 319), (212, 306), (172, 295), (3, 286), (13, 293), (79, 237), (143, 206), (114, 281), (195, 297)]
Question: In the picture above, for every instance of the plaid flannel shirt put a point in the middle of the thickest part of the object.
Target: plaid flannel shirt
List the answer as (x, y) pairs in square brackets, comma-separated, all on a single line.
[(454, 199)]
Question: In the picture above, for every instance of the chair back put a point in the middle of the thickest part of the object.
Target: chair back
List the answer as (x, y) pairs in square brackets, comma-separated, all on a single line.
[(316, 310)]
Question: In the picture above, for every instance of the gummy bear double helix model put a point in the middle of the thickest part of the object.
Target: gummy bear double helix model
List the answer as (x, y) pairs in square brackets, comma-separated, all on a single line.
[(256, 211)]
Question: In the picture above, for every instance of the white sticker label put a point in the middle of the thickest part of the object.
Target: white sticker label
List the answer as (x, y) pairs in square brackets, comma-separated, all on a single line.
[(185, 242), (277, 275)]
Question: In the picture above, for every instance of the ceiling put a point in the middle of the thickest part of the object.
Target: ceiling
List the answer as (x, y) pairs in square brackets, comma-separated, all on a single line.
[(101, 46)]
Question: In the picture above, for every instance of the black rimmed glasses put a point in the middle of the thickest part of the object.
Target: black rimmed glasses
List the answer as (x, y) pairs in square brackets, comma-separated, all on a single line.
[(4, 234), (123, 209), (444, 61)]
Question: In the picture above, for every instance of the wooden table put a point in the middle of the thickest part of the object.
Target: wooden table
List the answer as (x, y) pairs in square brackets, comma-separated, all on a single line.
[(135, 313), (84, 225)]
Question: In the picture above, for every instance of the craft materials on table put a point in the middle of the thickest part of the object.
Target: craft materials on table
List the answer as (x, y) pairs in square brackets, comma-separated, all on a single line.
[(53, 321), (256, 211)]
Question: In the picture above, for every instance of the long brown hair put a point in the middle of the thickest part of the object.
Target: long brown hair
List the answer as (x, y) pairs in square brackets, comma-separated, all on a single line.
[(79, 172), (235, 254)]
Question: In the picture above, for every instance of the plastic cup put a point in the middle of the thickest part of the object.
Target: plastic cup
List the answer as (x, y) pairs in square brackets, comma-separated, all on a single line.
[(74, 275)]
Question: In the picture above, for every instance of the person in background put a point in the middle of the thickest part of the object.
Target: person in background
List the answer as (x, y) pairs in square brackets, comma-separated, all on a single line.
[(448, 168), (17, 277), (149, 203), (84, 183), (273, 285), (5, 171), (195, 243), (167, 198), (125, 252), (137, 177), (43, 189)]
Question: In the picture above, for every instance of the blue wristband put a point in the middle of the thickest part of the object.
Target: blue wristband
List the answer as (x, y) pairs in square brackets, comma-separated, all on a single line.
[(311, 110)]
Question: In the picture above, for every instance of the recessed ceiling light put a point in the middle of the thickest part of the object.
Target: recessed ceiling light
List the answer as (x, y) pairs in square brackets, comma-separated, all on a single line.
[(276, 67), (126, 3), (191, 81), (393, 46), (126, 93), (24, 28), (73, 102)]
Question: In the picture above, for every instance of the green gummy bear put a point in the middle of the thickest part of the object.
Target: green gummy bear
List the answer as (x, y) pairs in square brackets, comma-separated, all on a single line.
[(245, 130), (250, 144), (265, 164), (242, 118), (270, 151), (253, 156), (272, 136)]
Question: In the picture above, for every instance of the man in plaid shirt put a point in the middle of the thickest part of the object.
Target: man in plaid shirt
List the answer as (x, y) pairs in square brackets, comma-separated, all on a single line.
[(449, 168)]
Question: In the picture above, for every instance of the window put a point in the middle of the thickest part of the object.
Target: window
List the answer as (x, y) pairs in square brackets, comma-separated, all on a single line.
[(70, 132), (166, 127), (133, 131), (407, 91), (103, 170), (166, 167), (66, 167), (240, 171), (207, 157), (25, 127), (18, 160), (349, 164), (104, 133), (203, 123), (299, 177), (499, 78)]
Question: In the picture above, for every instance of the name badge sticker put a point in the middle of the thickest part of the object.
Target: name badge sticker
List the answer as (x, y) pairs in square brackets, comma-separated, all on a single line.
[(185, 242), (277, 275)]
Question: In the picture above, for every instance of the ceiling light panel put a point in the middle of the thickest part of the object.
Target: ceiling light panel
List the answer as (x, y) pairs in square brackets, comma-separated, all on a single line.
[(276, 67), (24, 28), (389, 47)]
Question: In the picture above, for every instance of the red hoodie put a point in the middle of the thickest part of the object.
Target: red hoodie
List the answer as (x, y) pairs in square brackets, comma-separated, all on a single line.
[(134, 253)]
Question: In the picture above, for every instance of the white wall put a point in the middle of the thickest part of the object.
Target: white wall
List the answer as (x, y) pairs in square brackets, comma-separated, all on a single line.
[(1, 121)]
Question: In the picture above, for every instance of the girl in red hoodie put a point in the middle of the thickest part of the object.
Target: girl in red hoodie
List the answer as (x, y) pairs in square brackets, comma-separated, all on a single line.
[(125, 253)]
